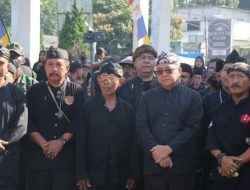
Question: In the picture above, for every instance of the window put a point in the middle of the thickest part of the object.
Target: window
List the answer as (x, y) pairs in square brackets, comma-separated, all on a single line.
[(193, 25), (196, 38)]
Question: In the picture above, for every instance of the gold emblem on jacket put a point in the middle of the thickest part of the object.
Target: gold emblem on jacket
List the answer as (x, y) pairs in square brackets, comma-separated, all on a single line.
[(69, 100)]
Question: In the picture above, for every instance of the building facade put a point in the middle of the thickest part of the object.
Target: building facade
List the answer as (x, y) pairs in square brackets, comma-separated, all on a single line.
[(197, 22)]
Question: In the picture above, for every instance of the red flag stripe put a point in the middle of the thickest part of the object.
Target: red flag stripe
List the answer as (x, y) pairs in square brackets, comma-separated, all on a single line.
[(130, 1)]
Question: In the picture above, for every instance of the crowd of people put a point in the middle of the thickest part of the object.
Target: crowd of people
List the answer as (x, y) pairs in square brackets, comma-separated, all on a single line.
[(139, 122)]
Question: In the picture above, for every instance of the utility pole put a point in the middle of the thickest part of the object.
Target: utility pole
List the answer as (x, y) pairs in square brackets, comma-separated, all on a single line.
[(205, 27), (205, 35)]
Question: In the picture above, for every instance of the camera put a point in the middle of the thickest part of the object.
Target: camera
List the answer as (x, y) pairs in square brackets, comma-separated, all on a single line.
[(91, 37)]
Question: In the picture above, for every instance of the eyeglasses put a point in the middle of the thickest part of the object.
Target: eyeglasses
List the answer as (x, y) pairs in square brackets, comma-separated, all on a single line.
[(104, 78), (166, 70)]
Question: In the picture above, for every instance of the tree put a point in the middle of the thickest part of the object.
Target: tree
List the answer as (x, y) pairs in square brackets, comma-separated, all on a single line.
[(48, 17), (114, 17), (176, 33), (71, 35), (42, 47), (5, 10)]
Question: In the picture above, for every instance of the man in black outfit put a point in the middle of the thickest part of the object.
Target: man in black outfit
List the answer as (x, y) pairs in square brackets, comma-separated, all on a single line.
[(111, 157), (210, 103), (13, 126), (132, 90), (144, 62), (228, 138), (167, 121), (55, 112)]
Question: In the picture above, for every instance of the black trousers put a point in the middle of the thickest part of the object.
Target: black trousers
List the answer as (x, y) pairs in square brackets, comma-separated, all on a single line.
[(8, 187), (23, 165), (8, 183), (54, 179), (244, 185), (168, 181), (240, 183), (109, 187)]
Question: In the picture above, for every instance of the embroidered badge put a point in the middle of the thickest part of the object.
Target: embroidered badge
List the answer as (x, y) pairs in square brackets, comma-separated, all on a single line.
[(245, 119), (69, 100)]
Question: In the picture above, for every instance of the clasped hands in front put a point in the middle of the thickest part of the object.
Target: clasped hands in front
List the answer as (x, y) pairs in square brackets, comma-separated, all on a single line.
[(161, 155), (229, 165), (52, 148)]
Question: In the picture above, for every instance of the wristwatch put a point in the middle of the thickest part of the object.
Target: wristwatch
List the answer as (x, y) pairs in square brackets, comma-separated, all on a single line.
[(63, 140)]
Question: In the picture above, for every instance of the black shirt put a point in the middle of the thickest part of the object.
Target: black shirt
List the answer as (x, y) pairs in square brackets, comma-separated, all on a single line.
[(169, 118), (111, 156), (228, 133), (202, 88), (13, 126), (133, 89), (43, 118), (210, 103)]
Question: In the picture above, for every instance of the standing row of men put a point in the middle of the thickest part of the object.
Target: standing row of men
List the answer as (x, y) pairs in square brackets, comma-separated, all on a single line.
[(102, 143)]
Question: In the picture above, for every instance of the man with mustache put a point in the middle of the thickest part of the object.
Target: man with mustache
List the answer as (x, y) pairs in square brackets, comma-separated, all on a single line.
[(128, 68), (55, 112), (228, 138), (210, 103), (13, 126)]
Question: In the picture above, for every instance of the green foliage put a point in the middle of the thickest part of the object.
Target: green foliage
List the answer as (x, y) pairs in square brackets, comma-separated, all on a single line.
[(114, 18), (42, 47), (48, 17), (71, 35), (176, 33), (5, 12)]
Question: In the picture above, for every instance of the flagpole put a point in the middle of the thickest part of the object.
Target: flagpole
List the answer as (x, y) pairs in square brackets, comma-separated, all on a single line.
[(145, 13), (135, 41), (5, 28), (140, 11)]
